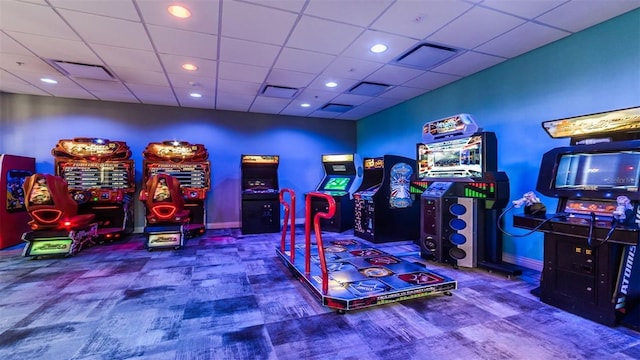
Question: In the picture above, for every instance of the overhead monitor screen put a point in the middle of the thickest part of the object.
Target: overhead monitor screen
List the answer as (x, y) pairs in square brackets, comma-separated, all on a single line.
[(599, 171), (337, 184), (451, 159)]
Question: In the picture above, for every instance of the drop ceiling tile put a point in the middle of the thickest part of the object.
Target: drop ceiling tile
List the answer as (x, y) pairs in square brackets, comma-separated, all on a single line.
[(143, 77), (393, 75), (350, 99), (350, 68), (242, 72), (149, 94), (403, 93), (173, 65), (419, 19), (322, 35), (204, 15), (578, 15), (468, 63), (302, 60), (259, 23), (239, 87), (486, 24), (432, 80), (193, 82), (296, 110), (315, 97), (343, 84), (207, 101), (350, 12), (9, 78), (233, 102), (26, 63), (383, 103), (269, 105), (58, 49), (397, 45), (182, 42), (290, 5), (115, 9), (124, 57), (115, 96), (247, 52), (108, 31), (10, 46), (101, 85), (33, 19), (17, 88), (75, 92), (289, 78), (324, 114), (521, 40), (526, 9)]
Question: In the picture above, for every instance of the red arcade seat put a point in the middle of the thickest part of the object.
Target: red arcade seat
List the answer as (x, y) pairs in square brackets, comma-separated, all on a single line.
[(50, 204), (164, 201)]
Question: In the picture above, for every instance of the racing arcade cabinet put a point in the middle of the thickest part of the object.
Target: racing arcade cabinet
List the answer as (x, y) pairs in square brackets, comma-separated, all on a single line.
[(591, 241), (101, 178), (13, 212), (384, 206), (343, 176), (260, 194), (189, 165), (460, 207)]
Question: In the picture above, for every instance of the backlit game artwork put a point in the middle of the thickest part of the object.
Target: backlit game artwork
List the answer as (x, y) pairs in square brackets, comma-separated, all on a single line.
[(400, 196)]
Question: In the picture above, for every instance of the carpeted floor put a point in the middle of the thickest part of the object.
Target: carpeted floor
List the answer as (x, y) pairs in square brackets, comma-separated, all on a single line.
[(228, 296)]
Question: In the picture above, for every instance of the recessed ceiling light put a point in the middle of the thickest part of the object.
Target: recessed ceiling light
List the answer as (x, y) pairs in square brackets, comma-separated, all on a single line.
[(48, 81), (305, 105), (189, 67), (331, 84), (378, 48), (179, 11), (195, 95)]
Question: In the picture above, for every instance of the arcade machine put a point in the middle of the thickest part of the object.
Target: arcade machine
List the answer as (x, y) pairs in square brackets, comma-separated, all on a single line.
[(101, 177), (343, 176), (384, 205), (189, 165), (348, 274), (591, 241), (260, 192), (460, 207), (13, 212), (56, 226)]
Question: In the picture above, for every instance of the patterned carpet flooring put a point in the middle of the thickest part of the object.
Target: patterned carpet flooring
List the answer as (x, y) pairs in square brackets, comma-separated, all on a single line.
[(228, 296)]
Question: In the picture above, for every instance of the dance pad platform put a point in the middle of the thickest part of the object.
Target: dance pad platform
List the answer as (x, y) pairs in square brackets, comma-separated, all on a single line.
[(362, 276)]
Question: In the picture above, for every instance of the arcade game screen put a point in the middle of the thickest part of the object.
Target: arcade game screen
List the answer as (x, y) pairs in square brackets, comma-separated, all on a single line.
[(450, 159), (599, 171), (337, 184), (86, 176), (15, 193)]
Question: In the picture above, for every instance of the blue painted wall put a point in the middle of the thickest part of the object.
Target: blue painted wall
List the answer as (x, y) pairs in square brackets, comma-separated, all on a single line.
[(595, 70), (32, 125)]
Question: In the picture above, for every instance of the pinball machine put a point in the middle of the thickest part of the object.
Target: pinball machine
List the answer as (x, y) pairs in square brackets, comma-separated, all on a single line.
[(590, 268), (101, 178), (173, 215)]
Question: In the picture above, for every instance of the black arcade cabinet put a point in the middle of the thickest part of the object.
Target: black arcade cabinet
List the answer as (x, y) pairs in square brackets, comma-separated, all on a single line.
[(343, 176), (460, 207), (385, 209), (590, 243), (260, 194)]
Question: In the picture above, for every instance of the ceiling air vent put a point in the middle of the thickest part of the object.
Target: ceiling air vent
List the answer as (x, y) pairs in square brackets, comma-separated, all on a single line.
[(369, 89), (337, 107), (279, 91), (85, 71), (426, 56)]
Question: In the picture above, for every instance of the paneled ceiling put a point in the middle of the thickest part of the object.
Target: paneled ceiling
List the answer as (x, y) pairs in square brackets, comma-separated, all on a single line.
[(273, 56)]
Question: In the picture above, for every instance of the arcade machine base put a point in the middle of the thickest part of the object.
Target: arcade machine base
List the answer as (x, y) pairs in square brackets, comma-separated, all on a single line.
[(59, 242), (362, 276), (165, 236)]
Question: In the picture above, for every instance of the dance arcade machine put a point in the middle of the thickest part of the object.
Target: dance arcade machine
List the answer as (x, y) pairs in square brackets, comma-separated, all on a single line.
[(460, 207), (189, 165), (13, 212), (384, 205), (343, 176), (101, 177), (590, 243), (56, 226), (260, 194)]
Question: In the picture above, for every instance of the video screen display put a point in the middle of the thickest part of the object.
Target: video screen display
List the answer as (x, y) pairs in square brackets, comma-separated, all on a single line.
[(337, 184), (599, 171), (451, 159), (15, 193), (106, 175), (190, 175)]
